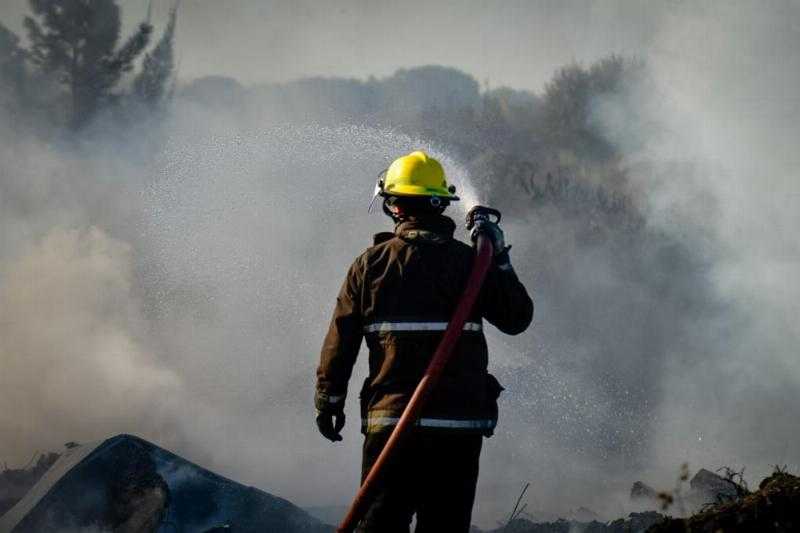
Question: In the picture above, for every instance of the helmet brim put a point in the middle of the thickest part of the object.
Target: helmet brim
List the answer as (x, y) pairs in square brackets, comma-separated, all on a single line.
[(423, 193)]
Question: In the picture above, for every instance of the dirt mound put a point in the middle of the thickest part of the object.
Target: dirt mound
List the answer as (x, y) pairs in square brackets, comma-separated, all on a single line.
[(774, 507)]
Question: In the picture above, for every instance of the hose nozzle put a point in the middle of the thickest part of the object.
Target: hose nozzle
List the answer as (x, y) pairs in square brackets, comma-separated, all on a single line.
[(481, 213)]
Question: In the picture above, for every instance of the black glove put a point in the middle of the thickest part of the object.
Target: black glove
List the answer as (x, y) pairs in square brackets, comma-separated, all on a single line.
[(493, 232), (329, 408), (330, 429)]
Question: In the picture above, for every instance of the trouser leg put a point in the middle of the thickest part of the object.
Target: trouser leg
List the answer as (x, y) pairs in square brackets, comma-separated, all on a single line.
[(433, 474), (394, 498), (451, 464)]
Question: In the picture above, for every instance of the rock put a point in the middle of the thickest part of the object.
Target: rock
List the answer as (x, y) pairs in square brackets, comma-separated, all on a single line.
[(708, 487)]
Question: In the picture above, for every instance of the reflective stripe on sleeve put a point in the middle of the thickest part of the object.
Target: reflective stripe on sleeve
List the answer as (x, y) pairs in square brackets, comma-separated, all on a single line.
[(383, 421), (385, 327), (330, 398)]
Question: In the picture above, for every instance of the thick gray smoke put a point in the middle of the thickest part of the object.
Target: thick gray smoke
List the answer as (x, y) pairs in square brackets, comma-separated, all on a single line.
[(184, 297), (726, 74), (187, 302)]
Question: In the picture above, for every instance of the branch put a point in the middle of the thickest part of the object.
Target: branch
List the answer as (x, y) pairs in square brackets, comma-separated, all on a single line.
[(123, 60)]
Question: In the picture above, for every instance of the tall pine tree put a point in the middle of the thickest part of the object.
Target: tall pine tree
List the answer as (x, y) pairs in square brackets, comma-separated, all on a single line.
[(78, 40), (151, 86)]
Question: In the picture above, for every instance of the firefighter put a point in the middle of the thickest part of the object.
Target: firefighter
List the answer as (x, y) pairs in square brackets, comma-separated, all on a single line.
[(398, 296)]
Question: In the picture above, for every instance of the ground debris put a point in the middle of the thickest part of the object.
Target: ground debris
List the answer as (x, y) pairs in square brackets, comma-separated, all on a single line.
[(705, 488), (774, 507), (634, 523), (16, 482)]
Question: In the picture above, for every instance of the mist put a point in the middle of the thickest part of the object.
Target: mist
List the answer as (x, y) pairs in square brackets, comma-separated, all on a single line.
[(182, 293)]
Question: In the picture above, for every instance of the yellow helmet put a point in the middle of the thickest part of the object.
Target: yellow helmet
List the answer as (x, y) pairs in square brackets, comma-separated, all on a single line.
[(416, 174)]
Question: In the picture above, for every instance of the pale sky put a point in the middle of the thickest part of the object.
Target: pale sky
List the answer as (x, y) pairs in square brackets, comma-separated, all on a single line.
[(510, 42)]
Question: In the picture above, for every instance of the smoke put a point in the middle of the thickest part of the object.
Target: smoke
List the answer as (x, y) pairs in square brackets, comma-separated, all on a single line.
[(726, 74), (183, 297), (74, 359)]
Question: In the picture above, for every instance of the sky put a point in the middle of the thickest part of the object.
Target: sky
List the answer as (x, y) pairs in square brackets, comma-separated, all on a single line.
[(511, 43)]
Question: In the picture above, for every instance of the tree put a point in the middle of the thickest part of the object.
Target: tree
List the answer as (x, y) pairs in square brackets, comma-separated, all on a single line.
[(420, 89), (151, 85), (568, 105), (77, 40), (566, 109), (12, 69)]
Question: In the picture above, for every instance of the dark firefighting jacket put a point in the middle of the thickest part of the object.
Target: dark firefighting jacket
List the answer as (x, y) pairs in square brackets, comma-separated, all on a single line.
[(399, 295)]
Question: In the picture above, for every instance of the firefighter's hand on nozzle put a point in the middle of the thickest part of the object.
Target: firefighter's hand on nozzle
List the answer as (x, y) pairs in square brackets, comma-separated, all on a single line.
[(493, 232), (330, 424)]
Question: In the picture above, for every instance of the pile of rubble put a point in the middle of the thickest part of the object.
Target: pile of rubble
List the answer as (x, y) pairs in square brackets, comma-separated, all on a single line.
[(774, 507), (126, 484)]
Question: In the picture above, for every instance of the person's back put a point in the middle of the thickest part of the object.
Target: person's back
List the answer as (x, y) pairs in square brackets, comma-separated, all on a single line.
[(399, 295)]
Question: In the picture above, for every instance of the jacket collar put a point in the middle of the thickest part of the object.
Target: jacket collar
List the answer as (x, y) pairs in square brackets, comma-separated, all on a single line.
[(435, 229)]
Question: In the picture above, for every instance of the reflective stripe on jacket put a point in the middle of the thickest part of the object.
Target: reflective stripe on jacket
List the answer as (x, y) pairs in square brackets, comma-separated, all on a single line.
[(399, 295), (376, 421), (385, 327)]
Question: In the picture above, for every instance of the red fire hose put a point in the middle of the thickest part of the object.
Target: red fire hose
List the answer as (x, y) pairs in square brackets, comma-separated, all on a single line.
[(431, 377)]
